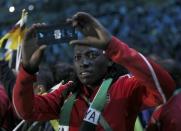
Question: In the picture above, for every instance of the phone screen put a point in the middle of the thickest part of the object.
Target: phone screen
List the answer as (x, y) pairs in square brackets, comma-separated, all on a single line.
[(56, 34)]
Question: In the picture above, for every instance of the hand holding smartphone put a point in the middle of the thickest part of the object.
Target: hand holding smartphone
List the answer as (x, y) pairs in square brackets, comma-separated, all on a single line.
[(56, 34)]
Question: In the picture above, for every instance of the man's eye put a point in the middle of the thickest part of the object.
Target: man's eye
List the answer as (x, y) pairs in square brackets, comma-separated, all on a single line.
[(77, 57), (92, 55)]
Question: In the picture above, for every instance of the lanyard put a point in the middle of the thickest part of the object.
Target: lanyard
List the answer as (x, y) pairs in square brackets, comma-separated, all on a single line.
[(93, 112)]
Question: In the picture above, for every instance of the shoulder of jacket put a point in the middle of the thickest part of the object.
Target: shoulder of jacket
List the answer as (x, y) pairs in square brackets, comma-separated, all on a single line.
[(126, 76)]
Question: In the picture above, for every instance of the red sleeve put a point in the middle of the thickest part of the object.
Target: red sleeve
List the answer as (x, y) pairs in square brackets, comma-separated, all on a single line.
[(138, 65), (4, 103), (35, 107)]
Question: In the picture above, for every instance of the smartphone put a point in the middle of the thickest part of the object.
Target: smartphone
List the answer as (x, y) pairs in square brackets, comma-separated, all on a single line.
[(56, 34)]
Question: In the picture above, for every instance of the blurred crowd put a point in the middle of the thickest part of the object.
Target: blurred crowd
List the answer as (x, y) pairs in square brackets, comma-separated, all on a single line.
[(150, 27)]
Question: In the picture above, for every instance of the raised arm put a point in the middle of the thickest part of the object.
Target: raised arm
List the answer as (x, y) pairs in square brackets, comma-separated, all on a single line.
[(151, 75), (27, 105), (146, 71)]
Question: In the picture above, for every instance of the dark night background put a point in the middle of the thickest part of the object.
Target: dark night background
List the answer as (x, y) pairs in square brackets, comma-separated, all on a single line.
[(152, 27)]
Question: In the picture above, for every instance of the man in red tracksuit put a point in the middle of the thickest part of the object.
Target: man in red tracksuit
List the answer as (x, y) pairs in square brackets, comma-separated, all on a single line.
[(147, 86)]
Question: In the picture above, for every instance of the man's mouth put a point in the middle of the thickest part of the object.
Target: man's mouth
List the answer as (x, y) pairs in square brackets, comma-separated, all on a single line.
[(85, 74)]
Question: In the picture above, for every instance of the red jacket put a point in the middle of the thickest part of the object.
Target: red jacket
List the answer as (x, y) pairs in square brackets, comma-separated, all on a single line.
[(167, 117), (8, 118), (4, 103), (128, 95)]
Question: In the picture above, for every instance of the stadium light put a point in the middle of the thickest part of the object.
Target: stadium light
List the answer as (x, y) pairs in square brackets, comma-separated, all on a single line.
[(11, 9)]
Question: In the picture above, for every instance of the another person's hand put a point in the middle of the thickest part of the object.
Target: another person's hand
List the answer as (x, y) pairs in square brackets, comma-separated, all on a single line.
[(31, 51), (94, 33)]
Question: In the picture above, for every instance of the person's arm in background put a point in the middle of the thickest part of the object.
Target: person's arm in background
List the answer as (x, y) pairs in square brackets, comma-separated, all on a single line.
[(7, 77)]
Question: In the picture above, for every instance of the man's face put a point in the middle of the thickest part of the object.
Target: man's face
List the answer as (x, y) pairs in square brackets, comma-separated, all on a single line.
[(90, 64)]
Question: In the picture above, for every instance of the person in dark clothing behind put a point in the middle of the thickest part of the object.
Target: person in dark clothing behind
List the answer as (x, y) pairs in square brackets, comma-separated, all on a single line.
[(101, 100), (62, 71), (45, 79)]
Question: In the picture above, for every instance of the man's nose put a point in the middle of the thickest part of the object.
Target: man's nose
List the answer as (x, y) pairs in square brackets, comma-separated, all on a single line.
[(84, 63)]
